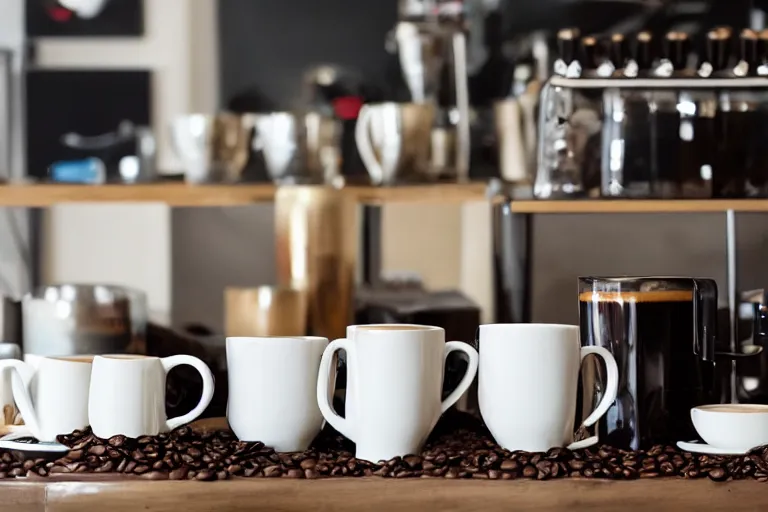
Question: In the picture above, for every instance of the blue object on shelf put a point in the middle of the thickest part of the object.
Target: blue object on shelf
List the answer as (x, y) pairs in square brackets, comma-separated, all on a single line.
[(90, 171)]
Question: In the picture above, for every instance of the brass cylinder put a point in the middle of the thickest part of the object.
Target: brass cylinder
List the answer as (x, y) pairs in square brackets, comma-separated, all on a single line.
[(316, 234), (265, 311)]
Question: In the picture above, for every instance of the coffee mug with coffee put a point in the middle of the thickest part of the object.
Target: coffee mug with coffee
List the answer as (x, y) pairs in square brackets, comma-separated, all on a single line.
[(528, 381), (272, 390), (396, 372), (728, 429), (56, 401), (127, 394)]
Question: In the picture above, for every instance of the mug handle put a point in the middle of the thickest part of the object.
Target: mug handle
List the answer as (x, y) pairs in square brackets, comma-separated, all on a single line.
[(173, 361), (364, 146), (611, 388), (21, 377), (343, 425), (469, 376)]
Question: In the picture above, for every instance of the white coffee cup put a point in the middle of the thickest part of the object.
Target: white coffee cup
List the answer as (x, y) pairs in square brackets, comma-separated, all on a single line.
[(56, 401), (396, 372), (528, 381), (737, 427), (272, 390), (127, 394)]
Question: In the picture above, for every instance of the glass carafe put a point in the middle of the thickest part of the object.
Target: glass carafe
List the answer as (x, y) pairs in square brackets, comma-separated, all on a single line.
[(661, 333)]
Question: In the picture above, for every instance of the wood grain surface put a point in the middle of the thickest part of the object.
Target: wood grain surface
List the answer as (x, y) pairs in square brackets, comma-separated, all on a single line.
[(372, 494)]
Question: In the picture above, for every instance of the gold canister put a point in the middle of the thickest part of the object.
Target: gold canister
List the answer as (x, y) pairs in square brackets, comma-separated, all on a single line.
[(316, 233), (265, 311)]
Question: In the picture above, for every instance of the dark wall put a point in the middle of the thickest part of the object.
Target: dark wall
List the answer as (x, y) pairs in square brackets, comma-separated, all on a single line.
[(269, 44)]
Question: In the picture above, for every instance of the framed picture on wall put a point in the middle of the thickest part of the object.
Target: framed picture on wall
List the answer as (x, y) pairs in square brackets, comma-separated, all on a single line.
[(84, 18)]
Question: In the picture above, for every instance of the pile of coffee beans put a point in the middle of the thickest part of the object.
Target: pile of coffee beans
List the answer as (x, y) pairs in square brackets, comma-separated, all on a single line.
[(460, 453)]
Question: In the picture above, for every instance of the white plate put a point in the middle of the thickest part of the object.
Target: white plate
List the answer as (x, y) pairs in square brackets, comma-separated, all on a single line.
[(697, 447), (9, 442)]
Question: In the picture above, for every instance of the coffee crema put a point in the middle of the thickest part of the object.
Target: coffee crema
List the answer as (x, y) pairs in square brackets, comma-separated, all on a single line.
[(395, 328), (735, 408), (636, 296), (75, 359)]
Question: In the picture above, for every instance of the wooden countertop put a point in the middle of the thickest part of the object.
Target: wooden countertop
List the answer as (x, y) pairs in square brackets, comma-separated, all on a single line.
[(359, 495)]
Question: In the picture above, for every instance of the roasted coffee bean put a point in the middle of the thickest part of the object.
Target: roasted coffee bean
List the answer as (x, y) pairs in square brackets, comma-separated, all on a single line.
[(529, 471), (464, 453), (273, 471), (308, 464), (205, 475), (104, 468), (75, 455), (413, 461), (98, 450), (155, 475), (295, 473), (178, 474), (718, 474), (117, 441)]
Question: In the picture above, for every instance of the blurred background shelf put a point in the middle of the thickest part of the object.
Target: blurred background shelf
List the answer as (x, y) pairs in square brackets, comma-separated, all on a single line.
[(641, 206), (172, 194), (181, 194)]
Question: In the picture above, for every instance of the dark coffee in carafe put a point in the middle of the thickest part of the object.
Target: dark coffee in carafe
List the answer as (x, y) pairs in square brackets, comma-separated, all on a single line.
[(657, 335)]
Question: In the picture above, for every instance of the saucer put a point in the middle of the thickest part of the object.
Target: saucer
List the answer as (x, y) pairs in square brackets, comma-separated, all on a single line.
[(17, 441), (698, 447)]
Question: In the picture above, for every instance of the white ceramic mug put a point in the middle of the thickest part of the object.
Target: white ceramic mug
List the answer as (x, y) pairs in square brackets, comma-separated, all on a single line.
[(528, 381), (56, 401), (272, 390), (127, 394), (397, 373)]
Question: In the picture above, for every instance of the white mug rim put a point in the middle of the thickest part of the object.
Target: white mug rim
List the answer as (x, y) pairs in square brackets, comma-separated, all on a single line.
[(235, 341), (394, 328), (530, 327), (708, 409), (77, 359)]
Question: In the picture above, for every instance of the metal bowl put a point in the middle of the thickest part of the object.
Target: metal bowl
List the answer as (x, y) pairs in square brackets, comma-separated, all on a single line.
[(76, 319)]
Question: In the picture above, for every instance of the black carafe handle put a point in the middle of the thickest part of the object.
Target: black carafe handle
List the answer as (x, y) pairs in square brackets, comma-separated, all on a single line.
[(704, 318)]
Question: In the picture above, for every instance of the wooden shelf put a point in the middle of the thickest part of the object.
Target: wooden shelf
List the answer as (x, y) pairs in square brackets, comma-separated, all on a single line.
[(173, 194), (183, 195), (353, 494), (435, 193), (641, 206)]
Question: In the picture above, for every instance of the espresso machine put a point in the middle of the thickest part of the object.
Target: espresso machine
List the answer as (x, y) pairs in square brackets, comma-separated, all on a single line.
[(430, 41)]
